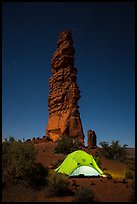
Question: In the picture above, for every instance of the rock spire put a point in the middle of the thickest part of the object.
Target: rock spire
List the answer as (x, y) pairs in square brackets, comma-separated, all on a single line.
[(64, 93), (92, 140)]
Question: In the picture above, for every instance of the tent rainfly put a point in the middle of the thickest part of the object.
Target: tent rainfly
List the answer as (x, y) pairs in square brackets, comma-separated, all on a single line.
[(79, 163)]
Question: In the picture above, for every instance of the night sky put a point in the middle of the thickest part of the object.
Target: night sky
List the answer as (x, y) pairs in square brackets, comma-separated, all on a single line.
[(104, 41)]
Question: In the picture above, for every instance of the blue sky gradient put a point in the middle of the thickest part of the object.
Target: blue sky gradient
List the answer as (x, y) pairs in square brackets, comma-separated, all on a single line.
[(104, 41)]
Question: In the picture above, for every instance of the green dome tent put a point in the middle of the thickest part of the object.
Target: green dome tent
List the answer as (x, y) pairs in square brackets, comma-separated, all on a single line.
[(79, 163)]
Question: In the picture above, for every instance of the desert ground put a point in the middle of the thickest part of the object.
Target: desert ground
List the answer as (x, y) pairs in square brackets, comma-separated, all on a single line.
[(117, 189)]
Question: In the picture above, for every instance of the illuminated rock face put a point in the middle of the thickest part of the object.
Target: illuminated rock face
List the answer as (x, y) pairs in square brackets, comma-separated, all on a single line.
[(91, 139), (64, 117)]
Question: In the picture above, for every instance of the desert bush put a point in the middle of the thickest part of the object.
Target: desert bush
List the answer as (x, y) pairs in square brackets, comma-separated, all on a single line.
[(3, 182), (75, 145), (18, 163), (11, 139), (84, 194), (18, 159), (109, 176), (56, 163), (58, 184), (132, 196), (97, 156), (38, 175), (129, 173), (114, 151), (130, 162), (98, 160), (66, 145)]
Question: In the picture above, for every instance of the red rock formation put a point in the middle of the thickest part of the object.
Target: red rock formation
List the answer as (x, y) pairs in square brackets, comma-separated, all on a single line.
[(91, 139), (64, 117)]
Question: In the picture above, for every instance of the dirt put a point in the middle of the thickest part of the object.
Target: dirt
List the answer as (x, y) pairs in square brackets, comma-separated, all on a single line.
[(105, 190)]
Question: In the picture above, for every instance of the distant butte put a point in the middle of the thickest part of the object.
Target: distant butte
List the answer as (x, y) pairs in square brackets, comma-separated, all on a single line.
[(64, 93)]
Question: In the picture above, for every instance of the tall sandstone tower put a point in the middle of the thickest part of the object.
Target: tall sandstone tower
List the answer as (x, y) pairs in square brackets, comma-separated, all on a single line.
[(64, 117)]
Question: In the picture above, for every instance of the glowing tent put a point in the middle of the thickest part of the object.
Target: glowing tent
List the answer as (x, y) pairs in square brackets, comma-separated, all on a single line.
[(79, 163)]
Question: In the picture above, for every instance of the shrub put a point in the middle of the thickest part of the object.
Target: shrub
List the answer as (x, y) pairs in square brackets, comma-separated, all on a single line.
[(84, 194), (3, 182), (109, 176), (11, 139), (129, 174), (58, 184), (56, 163), (98, 161), (18, 159), (113, 151), (38, 175), (75, 145), (66, 145), (18, 164), (130, 162), (132, 196)]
